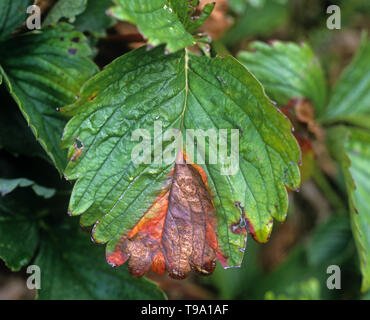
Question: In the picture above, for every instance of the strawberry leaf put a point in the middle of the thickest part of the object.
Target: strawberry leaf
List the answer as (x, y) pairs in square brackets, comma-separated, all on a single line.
[(43, 71), (350, 101), (257, 18), (163, 21), (95, 19), (330, 242), (17, 228), (68, 9), (73, 268), (181, 91), (13, 124), (352, 148), (287, 71), (8, 185), (12, 15)]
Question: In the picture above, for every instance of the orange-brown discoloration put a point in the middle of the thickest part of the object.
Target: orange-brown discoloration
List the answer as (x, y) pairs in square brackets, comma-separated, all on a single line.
[(77, 153), (93, 96), (159, 264), (177, 232)]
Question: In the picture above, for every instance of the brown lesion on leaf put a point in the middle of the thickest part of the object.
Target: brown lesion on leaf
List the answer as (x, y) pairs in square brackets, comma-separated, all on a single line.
[(176, 233), (239, 227), (93, 96), (79, 147)]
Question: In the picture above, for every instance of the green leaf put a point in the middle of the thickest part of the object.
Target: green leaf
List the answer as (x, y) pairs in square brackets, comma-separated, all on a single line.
[(238, 6), (352, 148), (330, 241), (163, 21), (73, 268), (230, 284), (18, 233), (8, 185), (13, 13), (13, 124), (185, 11), (95, 19), (303, 290), (183, 91), (43, 71), (350, 101), (259, 18), (287, 71), (366, 296), (293, 269), (68, 9)]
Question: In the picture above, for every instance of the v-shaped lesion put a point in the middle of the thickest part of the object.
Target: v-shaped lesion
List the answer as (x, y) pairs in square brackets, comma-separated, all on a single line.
[(177, 232)]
